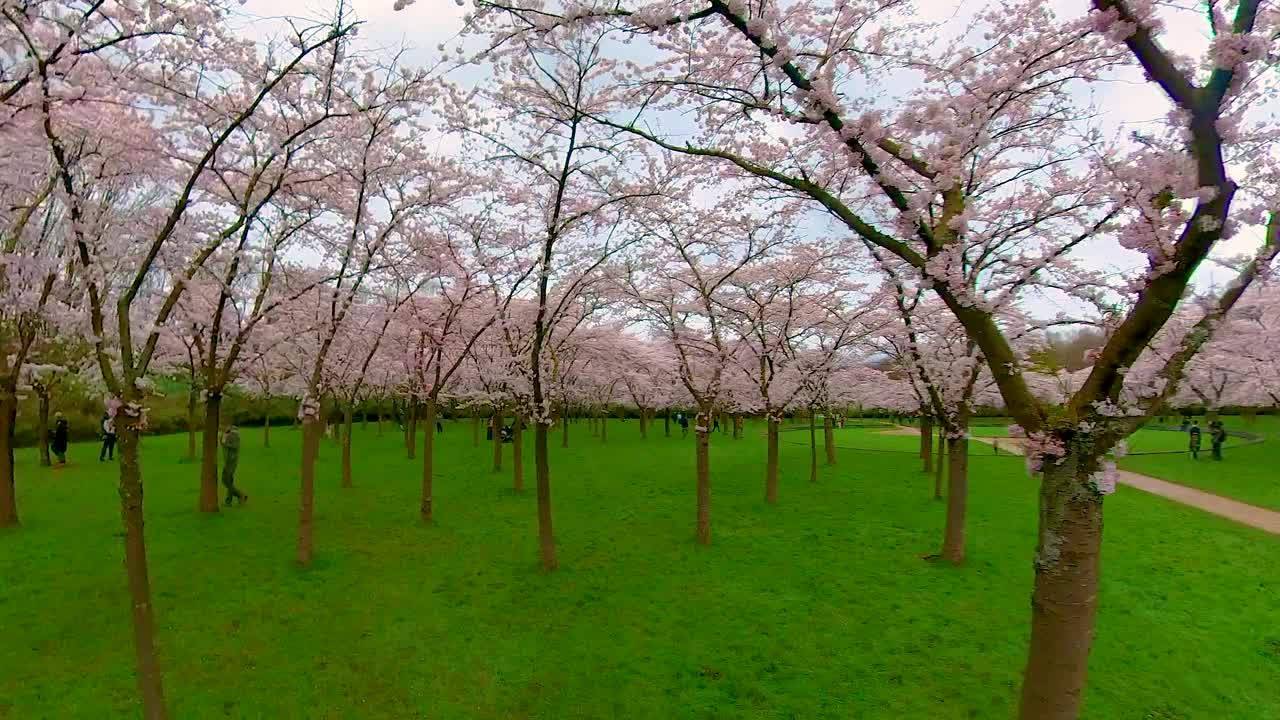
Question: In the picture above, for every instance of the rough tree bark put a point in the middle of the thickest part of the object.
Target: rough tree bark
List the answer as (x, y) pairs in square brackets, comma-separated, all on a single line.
[(703, 433), (428, 458), (957, 499), (310, 448), (1065, 599), (209, 453), (829, 438), (347, 422), (517, 453), (771, 465), (43, 430), (542, 471), (150, 681), (8, 490)]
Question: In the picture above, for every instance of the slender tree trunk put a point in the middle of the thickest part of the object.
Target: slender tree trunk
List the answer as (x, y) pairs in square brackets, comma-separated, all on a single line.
[(378, 413), (497, 440), (43, 430), (191, 425), (813, 448), (310, 448), (411, 429), (703, 444), (209, 453), (517, 453), (347, 426), (364, 419), (940, 468), (644, 430), (829, 438), (542, 471), (1065, 600), (926, 442), (666, 423), (266, 430), (604, 429), (475, 428), (150, 680), (428, 458), (957, 499), (564, 427), (771, 465), (8, 486)]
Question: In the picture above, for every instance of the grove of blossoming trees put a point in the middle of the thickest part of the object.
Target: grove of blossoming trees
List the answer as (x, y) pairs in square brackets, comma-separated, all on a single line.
[(772, 207)]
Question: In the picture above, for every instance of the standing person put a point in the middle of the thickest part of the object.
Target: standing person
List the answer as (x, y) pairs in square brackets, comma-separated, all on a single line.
[(59, 444), (1217, 436), (684, 425), (108, 426), (230, 459), (1194, 440)]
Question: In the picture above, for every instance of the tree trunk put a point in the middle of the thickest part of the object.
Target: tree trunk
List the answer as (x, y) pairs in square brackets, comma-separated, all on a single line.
[(829, 438), (43, 430), (428, 458), (926, 442), (8, 485), (209, 453), (266, 430), (813, 449), (517, 453), (150, 681), (347, 426), (604, 429), (191, 425), (364, 419), (542, 470), (475, 428), (703, 435), (666, 423), (411, 429), (564, 428), (940, 468), (1065, 599), (378, 413), (310, 448), (644, 430), (497, 440), (771, 465), (957, 499)]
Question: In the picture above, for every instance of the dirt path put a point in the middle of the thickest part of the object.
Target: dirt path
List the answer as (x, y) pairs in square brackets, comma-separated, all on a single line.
[(1243, 513)]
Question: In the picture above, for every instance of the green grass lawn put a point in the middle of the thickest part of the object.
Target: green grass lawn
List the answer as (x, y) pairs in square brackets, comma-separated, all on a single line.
[(819, 607)]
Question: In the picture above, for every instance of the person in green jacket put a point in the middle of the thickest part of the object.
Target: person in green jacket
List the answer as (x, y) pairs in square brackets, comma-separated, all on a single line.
[(230, 459)]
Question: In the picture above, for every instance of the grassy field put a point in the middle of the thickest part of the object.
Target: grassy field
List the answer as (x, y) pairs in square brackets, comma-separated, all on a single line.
[(819, 607), (1248, 472)]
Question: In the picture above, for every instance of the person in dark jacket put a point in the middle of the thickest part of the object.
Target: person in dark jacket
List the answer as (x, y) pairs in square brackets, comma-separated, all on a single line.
[(108, 426), (60, 433), (230, 461), (1217, 436), (1194, 440)]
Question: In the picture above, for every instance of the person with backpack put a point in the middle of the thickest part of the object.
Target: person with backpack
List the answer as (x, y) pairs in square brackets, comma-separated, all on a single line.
[(108, 427)]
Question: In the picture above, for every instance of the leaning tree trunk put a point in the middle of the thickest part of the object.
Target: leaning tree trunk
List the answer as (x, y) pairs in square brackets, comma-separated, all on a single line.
[(926, 442), (517, 453), (209, 453), (347, 422), (428, 458), (43, 430), (410, 429), (150, 681), (191, 425), (829, 438), (703, 434), (497, 440), (542, 471), (8, 488), (813, 449), (957, 499), (310, 448), (771, 465), (940, 467), (1065, 600)]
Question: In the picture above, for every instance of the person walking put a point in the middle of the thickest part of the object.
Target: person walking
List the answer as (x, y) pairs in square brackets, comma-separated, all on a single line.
[(1217, 436), (230, 459), (60, 435), (108, 426), (1194, 439), (684, 425)]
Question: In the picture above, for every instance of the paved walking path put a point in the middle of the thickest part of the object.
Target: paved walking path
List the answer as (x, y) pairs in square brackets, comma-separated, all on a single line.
[(1243, 513)]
